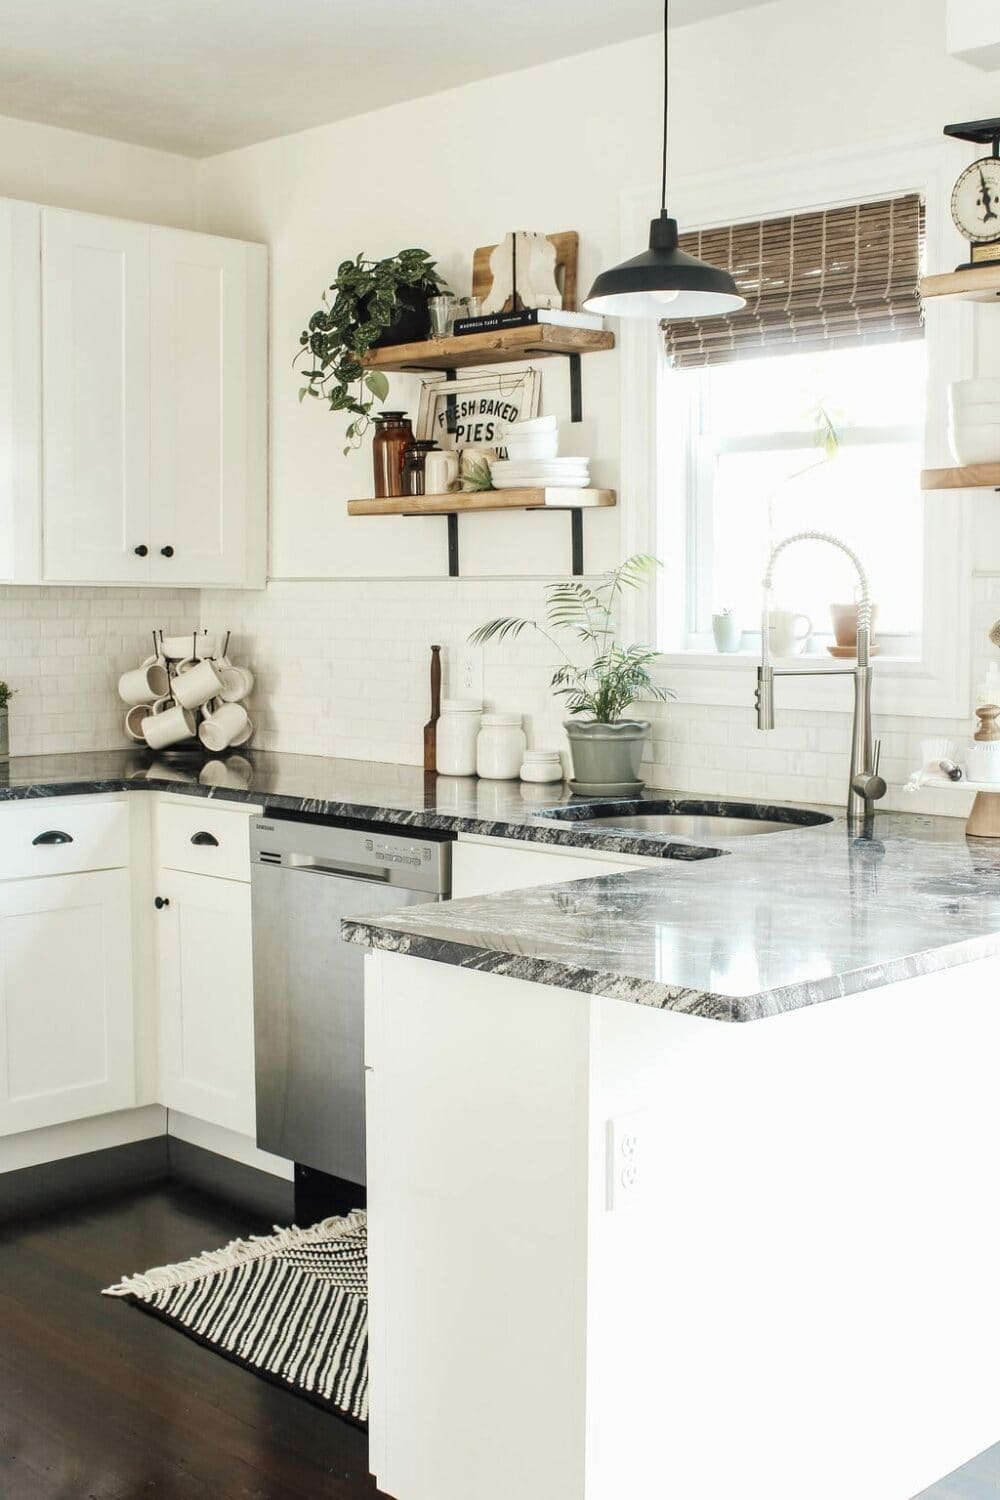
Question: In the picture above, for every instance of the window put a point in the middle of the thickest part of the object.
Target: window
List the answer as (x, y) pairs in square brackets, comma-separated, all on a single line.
[(804, 412)]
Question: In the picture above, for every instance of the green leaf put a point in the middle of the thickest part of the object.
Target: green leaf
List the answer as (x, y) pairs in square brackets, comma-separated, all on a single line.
[(378, 383)]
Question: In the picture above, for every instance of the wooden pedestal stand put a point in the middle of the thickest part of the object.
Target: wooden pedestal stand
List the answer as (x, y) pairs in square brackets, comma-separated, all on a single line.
[(984, 819)]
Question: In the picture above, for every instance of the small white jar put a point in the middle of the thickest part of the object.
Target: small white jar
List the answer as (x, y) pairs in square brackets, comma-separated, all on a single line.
[(500, 747), (541, 765), (457, 730)]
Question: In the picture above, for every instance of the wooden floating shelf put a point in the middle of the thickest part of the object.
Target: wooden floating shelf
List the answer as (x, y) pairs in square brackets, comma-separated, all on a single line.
[(972, 477), (501, 346), (479, 500), (979, 285)]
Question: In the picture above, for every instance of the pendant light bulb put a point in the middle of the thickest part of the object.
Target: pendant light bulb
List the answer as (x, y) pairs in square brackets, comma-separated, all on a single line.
[(664, 281)]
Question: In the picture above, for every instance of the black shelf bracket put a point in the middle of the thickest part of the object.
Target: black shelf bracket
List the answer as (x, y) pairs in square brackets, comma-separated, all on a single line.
[(575, 389), (575, 526)]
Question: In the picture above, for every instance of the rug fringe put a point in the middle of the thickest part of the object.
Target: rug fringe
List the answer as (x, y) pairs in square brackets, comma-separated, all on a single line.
[(236, 1253)]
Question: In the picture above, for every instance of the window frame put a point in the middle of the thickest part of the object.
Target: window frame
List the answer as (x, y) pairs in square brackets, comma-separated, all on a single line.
[(936, 682)]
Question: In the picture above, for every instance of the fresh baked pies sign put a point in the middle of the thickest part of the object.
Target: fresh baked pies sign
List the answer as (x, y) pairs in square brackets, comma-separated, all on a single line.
[(476, 408)]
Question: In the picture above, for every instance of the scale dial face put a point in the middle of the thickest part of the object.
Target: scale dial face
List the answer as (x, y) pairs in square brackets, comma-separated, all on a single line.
[(975, 201)]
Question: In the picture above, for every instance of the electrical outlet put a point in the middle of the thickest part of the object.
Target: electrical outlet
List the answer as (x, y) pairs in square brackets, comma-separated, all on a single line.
[(625, 1167), (468, 673)]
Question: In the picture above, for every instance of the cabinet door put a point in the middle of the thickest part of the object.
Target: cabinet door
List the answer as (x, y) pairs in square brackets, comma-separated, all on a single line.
[(95, 398), (20, 392), (66, 1026), (202, 491), (205, 978)]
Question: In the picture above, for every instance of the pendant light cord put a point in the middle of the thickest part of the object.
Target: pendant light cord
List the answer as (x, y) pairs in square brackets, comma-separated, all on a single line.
[(666, 92)]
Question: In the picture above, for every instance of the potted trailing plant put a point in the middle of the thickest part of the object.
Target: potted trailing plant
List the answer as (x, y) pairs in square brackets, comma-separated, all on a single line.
[(6, 694), (374, 302), (606, 747)]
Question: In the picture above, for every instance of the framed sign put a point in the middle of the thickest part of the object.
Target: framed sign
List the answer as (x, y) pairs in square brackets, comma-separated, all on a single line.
[(476, 408)]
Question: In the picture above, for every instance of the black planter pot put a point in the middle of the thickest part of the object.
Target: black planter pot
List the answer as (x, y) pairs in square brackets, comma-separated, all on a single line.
[(413, 323)]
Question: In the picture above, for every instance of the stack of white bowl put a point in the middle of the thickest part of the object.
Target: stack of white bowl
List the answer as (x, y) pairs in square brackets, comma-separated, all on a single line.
[(974, 421), (533, 460), (187, 690)]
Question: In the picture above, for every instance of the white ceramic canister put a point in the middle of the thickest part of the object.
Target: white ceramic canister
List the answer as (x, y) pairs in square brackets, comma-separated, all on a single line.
[(457, 730), (500, 747), (541, 765)]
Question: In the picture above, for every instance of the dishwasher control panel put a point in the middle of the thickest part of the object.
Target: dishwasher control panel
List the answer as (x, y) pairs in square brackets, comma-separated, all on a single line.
[(412, 859)]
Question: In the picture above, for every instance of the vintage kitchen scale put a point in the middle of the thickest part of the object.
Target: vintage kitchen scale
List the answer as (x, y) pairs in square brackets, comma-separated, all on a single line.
[(975, 198)]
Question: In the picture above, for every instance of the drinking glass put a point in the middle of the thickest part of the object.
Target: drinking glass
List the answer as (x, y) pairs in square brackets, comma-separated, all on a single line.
[(442, 311)]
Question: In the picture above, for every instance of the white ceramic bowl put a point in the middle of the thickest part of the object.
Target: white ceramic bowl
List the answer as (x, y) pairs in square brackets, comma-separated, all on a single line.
[(976, 445), (982, 414), (972, 392), (540, 445)]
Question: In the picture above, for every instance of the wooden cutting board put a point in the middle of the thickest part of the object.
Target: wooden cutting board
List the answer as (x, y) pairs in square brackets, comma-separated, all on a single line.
[(567, 247)]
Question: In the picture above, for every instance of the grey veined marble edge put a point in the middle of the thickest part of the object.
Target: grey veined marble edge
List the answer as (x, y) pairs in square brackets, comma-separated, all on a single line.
[(654, 993)]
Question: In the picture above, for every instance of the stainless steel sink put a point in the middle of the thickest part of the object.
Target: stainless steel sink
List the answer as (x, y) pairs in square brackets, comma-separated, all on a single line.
[(687, 818)]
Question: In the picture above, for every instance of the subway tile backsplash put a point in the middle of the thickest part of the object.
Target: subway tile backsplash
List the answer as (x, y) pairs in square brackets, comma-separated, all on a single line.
[(342, 669), (63, 650)]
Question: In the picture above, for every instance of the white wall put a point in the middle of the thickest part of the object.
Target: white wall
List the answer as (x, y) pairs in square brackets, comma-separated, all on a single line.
[(552, 147)]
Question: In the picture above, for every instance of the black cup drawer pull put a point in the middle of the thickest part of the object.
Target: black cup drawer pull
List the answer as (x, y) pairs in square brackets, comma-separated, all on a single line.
[(205, 838), (53, 836)]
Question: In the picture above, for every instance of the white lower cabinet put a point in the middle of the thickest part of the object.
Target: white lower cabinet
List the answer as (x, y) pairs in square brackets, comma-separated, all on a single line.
[(482, 869), (204, 972), (66, 1023)]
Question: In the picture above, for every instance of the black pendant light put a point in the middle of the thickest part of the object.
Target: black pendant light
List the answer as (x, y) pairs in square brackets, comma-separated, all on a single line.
[(664, 282)]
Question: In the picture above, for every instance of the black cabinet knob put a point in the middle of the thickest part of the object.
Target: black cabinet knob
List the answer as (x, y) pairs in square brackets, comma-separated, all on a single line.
[(142, 550), (161, 902), (166, 551)]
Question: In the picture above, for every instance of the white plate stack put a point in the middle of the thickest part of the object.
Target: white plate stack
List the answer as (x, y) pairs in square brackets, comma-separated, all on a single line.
[(533, 460), (974, 421)]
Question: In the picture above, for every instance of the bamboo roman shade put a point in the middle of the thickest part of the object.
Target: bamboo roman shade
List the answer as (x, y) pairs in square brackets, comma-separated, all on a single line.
[(845, 276)]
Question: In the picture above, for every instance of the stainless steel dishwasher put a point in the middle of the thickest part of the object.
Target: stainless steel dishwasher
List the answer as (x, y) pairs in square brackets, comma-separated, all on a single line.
[(306, 875)]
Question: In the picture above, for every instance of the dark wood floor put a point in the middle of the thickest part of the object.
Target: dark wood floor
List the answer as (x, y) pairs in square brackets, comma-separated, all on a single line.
[(99, 1401)]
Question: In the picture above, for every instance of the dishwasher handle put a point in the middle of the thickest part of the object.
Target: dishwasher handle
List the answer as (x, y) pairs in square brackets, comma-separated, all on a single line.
[(376, 875)]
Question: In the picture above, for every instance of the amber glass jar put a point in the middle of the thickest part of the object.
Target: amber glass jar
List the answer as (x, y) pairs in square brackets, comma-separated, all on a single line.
[(393, 435)]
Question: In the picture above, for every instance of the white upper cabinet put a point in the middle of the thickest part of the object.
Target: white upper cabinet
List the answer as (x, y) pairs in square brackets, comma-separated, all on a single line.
[(207, 412), (133, 403), (20, 393), (95, 398)]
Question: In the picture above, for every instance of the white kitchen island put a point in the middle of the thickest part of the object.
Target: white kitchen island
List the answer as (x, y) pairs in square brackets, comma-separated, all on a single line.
[(630, 1236)]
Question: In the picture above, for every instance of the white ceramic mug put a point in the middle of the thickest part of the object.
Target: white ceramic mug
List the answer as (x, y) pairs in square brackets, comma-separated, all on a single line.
[(228, 724), (143, 684), (134, 719), (789, 632), (168, 727), (441, 472), (194, 644), (236, 682), (195, 686)]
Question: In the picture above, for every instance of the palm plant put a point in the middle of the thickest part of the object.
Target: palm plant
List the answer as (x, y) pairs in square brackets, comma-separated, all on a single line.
[(6, 694), (616, 675)]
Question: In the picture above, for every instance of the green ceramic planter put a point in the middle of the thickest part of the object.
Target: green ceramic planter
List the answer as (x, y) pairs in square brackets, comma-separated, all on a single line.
[(607, 754)]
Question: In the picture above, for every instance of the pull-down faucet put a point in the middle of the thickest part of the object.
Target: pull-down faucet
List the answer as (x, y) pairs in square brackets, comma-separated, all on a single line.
[(865, 785)]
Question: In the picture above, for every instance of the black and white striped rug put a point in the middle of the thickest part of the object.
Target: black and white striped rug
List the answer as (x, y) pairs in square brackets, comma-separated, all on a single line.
[(291, 1306)]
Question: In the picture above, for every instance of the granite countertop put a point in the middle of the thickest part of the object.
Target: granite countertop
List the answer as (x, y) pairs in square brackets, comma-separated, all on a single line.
[(785, 920), (727, 929), (327, 787)]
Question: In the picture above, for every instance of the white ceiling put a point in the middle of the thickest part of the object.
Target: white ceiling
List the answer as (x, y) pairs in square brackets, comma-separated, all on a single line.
[(203, 76)]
